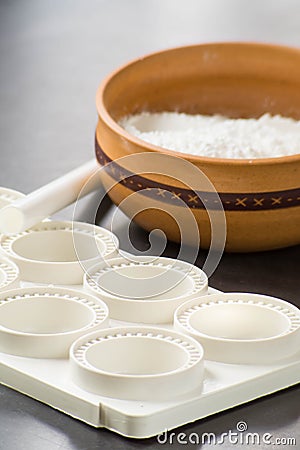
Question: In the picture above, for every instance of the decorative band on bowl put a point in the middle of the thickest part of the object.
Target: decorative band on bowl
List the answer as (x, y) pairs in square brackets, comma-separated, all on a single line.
[(243, 201)]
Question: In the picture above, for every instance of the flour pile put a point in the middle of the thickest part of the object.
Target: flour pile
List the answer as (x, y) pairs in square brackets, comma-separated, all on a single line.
[(217, 136)]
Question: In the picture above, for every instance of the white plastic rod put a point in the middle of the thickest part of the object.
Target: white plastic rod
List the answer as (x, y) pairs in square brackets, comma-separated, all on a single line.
[(45, 201)]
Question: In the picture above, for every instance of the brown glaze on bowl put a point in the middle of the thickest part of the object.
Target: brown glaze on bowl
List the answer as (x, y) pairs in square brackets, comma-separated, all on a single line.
[(261, 197)]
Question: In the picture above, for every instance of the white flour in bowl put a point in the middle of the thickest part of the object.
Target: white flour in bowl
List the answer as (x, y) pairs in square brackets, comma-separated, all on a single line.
[(217, 136)]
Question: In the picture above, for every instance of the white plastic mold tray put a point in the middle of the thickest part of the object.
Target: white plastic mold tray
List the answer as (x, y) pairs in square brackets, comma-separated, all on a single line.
[(8, 196), (9, 275), (59, 346)]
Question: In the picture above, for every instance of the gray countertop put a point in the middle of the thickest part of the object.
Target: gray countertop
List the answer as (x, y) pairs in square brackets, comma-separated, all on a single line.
[(53, 56)]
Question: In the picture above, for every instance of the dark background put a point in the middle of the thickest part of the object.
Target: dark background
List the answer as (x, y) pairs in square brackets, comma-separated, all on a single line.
[(53, 55)]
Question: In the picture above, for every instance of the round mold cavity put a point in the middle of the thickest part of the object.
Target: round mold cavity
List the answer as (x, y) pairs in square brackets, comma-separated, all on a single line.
[(9, 275), (137, 363), (168, 357), (39, 315), (239, 322), (42, 322), (55, 246), (145, 289), (8, 196), (241, 328), (58, 252)]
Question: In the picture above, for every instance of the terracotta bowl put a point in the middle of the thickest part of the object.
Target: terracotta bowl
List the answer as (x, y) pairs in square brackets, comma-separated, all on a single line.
[(261, 197)]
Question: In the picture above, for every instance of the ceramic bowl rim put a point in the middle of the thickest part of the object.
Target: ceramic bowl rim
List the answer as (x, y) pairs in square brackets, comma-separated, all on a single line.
[(116, 128)]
